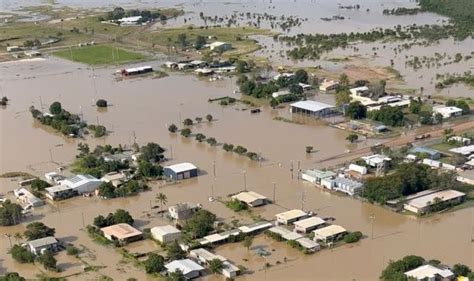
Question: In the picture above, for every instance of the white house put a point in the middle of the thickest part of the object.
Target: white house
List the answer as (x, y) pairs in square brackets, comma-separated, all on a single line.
[(290, 216), (82, 183), (189, 268), (308, 244), (255, 227), (343, 184), (329, 233), (220, 46), (309, 224), (375, 159), (316, 176), (328, 85), (429, 272), (27, 197), (252, 199), (358, 169), (41, 245), (280, 93), (165, 233), (182, 211), (459, 139), (53, 177), (203, 256), (420, 202), (447, 111), (312, 108)]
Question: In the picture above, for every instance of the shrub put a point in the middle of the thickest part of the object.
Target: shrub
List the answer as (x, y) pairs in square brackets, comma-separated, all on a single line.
[(353, 237), (101, 103)]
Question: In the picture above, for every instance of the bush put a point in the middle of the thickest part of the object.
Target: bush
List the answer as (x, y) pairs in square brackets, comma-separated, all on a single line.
[(72, 251), (235, 205), (154, 263), (21, 254), (48, 261), (101, 103), (37, 230), (353, 237)]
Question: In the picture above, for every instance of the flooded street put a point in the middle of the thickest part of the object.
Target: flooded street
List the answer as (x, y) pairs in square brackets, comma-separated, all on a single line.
[(141, 109)]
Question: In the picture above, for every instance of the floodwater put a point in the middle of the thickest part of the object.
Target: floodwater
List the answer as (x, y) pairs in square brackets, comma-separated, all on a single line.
[(142, 109)]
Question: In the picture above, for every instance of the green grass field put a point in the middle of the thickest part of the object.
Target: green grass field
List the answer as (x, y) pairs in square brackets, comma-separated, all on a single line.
[(99, 55)]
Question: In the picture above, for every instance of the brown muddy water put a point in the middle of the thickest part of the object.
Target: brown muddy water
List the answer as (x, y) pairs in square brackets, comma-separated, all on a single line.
[(144, 107)]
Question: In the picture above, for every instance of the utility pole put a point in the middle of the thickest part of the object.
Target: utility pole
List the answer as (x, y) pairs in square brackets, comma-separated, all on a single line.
[(171, 151), (274, 189), (302, 200), (9, 238), (291, 168), (41, 103), (83, 222), (298, 172), (214, 168), (372, 218), (245, 180)]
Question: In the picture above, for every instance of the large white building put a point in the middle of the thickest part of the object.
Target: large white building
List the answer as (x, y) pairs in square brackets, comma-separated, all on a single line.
[(429, 272), (165, 233), (82, 183), (329, 233), (309, 224), (189, 268), (420, 202), (312, 108), (290, 216), (252, 199), (447, 111)]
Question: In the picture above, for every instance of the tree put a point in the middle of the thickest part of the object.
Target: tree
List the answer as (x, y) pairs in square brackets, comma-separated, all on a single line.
[(215, 265), (228, 147), (396, 269), (415, 107), (39, 185), (309, 149), (438, 118), (161, 199), (122, 216), (48, 261), (186, 132), (301, 76), (209, 118), (4, 101), (241, 66), (247, 242), (200, 137), (353, 237), (200, 42), (101, 103), (240, 149), (12, 276), (450, 102), (174, 251), (117, 13), (425, 117), (72, 251), (344, 80), (464, 106), (172, 128), (154, 263), (461, 270), (176, 275), (107, 190), (211, 141), (55, 108), (188, 122), (356, 110), (21, 255), (148, 170), (295, 89), (10, 213), (352, 138), (37, 230), (343, 97), (152, 152), (274, 102), (100, 131), (182, 40), (200, 223)]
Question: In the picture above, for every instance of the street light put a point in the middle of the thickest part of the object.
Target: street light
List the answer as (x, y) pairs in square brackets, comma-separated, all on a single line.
[(372, 218), (245, 180)]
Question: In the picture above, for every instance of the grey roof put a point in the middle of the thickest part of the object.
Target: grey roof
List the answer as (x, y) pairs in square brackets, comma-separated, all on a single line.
[(50, 240), (422, 149), (311, 105), (185, 266)]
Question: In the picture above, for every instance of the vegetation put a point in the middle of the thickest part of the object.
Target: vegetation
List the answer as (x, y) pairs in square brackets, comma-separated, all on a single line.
[(396, 269), (47, 260), (172, 128), (352, 138), (10, 213), (3, 101), (236, 205), (154, 263), (101, 103), (99, 55), (215, 265), (37, 230), (12, 276), (309, 149), (466, 78), (353, 237), (120, 216), (93, 163), (200, 223), (132, 187), (247, 242), (355, 110), (21, 255), (388, 115), (174, 251), (72, 251), (186, 132)]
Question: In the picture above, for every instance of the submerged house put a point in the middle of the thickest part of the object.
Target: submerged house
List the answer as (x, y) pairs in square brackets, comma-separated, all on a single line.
[(39, 246), (313, 108), (122, 232)]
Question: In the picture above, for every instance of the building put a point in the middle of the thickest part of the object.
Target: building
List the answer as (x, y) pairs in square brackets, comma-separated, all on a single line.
[(419, 203), (13, 48), (290, 216), (122, 232), (285, 233), (252, 199), (130, 20), (165, 233), (432, 163), (464, 150), (344, 185), (39, 246), (182, 211), (204, 71), (136, 70), (331, 233), (203, 256), (309, 224), (59, 192), (284, 75), (280, 93), (32, 53), (53, 178), (220, 46), (312, 108), (447, 111), (460, 140), (115, 178), (255, 227), (189, 268), (219, 237), (308, 244), (431, 153), (375, 160), (358, 169), (429, 272), (316, 176), (180, 171), (305, 87), (118, 157), (328, 85), (82, 183), (27, 197)]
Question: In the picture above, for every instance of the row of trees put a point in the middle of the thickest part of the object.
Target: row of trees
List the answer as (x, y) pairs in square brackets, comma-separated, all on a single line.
[(132, 187), (119, 216)]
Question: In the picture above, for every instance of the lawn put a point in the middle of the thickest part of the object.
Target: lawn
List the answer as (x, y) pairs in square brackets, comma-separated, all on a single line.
[(99, 55)]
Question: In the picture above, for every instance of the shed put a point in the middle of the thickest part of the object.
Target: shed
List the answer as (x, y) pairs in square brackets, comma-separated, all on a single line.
[(329, 233), (59, 192), (316, 176), (82, 183), (290, 216), (251, 198), (328, 85), (309, 224), (220, 46), (180, 171), (41, 245), (420, 204), (309, 244), (432, 153), (122, 232), (312, 108), (189, 268), (357, 168), (447, 111), (165, 233)]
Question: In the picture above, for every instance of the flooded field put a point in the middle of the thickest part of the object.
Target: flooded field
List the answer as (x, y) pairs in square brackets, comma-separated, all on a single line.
[(141, 110)]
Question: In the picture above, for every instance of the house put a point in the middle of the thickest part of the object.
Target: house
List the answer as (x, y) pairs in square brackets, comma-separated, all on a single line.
[(290, 216), (343, 184), (39, 246), (180, 171), (432, 163), (460, 140), (309, 224), (53, 177), (82, 183), (203, 256), (118, 157), (429, 272), (27, 197), (375, 160), (285, 75), (447, 111), (130, 20), (220, 46), (280, 94), (358, 169), (189, 268), (431, 153), (32, 53), (312, 108), (308, 244), (331, 233), (218, 237), (59, 192), (305, 87), (255, 227), (252, 199), (171, 64), (204, 71), (285, 233), (419, 203), (122, 232), (328, 85), (315, 176), (115, 178), (136, 70), (464, 150), (13, 48), (165, 233), (182, 211)]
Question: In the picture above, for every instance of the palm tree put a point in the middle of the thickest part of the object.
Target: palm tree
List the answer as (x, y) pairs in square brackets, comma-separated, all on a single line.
[(161, 199), (18, 236)]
